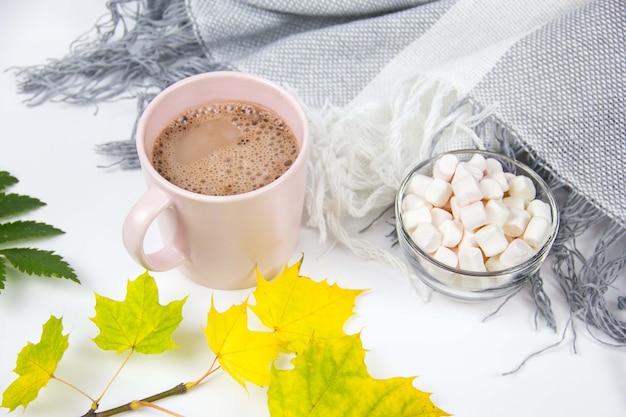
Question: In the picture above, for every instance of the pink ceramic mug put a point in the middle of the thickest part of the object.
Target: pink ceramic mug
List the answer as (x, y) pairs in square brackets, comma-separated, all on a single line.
[(219, 241)]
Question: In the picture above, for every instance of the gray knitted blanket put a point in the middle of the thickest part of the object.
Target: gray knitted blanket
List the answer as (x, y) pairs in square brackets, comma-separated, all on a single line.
[(388, 82)]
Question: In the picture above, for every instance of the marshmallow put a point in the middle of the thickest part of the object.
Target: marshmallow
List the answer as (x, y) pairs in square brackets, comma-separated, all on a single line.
[(537, 232), (522, 186), (474, 215), (497, 212), (492, 166), (517, 252), (516, 202), (471, 259), (491, 189), (449, 277), (413, 218), (494, 264), (438, 192), (491, 240), (464, 170), (477, 283), (468, 240), (412, 201), (478, 161), (427, 237), (538, 208), (455, 207), (516, 223), (451, 233), (418, 184), (445, 167), (501, 179), (447, 257), (446, 206), (439, 215), (467, 190)]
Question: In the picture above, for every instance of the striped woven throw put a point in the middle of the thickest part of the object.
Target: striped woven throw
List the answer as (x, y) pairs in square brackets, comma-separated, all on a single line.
[(386, 83)]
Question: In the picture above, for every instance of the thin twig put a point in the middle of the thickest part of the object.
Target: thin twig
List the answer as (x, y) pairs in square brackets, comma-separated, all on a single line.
[(177, 390)]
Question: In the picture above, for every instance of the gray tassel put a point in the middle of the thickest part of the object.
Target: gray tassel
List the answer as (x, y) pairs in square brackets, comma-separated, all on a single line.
[(142, 48), (585, 280)]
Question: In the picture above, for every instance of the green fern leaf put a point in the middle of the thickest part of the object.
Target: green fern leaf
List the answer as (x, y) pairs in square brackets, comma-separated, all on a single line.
[(12, 204), (22, 230), (38, 262), (6, 180), (3, 273)]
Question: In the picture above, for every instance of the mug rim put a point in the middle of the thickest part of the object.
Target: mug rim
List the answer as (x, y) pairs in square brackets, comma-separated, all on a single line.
[(146, 163)]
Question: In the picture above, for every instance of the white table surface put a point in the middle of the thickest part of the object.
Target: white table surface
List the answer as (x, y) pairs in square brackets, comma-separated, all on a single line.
[(456, 355)]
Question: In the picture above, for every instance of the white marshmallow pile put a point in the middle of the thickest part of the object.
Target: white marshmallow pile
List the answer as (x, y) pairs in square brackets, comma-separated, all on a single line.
[(474, 216)]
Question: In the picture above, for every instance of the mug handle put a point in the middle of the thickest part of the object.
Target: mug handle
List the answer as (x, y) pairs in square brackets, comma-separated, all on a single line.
[(145, 211)]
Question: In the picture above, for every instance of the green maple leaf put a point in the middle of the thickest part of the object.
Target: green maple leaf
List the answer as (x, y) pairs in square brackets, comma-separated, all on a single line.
[(330, 379), (36, 364), (139, 322)]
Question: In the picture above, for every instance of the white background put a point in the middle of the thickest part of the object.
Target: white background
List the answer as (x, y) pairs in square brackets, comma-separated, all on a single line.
[(458, 357)]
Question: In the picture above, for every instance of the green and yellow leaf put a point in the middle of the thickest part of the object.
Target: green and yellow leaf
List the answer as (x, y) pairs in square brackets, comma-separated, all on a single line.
[(330, 379), (245, 354), (138, 322), (296, 307), (36, 364)]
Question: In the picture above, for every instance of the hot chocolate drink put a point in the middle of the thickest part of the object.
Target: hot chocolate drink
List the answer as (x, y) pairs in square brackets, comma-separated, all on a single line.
[(225, 148)]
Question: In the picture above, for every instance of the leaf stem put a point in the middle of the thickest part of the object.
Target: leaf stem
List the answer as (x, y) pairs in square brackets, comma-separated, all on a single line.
[(74, 387), (139, 404), (114, 377), (133, 405), (211, 370)]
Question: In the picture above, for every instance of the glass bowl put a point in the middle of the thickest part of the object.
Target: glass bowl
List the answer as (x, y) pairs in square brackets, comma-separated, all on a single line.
[(468, 285)]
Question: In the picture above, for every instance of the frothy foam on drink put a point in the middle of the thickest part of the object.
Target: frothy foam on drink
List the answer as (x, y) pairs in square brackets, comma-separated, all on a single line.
[(225, 148)]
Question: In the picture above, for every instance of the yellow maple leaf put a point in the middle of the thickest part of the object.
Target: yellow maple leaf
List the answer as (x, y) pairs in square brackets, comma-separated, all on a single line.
[(296, 307), (330, 379), (245, 354)]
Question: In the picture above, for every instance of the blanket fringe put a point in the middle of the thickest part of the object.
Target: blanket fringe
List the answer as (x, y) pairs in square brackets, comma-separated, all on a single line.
[(361, 154), (586, 280), (585, 275)]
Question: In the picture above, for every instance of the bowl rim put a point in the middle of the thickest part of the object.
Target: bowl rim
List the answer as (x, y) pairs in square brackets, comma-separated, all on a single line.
[(545, 191)]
